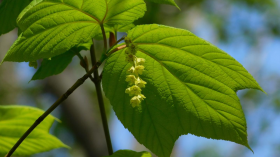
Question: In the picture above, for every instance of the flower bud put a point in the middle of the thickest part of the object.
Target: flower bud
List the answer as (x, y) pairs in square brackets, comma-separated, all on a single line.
[(127, 41), (133, 48), (127, 51), (129, 58)]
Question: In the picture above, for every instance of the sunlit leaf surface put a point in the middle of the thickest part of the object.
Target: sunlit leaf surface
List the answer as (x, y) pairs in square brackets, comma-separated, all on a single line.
[(15, 120), (52, 27), (191, 88)]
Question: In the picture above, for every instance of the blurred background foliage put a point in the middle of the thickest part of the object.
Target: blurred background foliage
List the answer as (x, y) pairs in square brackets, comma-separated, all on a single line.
[(249, 30)]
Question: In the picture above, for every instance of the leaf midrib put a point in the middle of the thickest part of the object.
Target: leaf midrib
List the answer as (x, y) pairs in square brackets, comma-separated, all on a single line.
[(120, 13), (28, 37), (152, 122), (78, 10), (181, 124), (160, 62), (195, 93), (105, 12), (203, 59), (143, 51), (156, 132)]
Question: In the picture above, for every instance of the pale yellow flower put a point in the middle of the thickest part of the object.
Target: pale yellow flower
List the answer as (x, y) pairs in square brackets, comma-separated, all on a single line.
[(134, 90), (135, 101), (131, 70), (140, 61), (127, 91), (139, 69), (141, 97), (140, 83), (130, 79)]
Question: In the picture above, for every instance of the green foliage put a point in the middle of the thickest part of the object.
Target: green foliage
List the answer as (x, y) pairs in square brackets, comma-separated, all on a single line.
[(9, 11), (57, 64), (15, 120), (52, 27), (130, 153), (54, 65), (124, 28), (170, 2), (191, 84), (114, 29), (191, 88)]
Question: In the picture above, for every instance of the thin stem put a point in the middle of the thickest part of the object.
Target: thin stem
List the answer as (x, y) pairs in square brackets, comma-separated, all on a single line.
[(117, 49), (78, 83), (84, 62), (97, 83), (104, 37), (116, 34), (119, 40), (108, 52)]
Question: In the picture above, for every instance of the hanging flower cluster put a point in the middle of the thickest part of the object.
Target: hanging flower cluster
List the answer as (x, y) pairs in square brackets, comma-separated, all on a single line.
[(133, 79)]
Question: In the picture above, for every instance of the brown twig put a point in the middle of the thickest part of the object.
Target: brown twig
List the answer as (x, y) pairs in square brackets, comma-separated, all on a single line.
[(78, 83), (97, 82)]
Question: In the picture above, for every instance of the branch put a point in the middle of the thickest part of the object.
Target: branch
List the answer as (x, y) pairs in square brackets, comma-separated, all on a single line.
[(81, 114), (78, 83), (121, 39), (100, 101), (85, 65), (104, 37), (116, 49)]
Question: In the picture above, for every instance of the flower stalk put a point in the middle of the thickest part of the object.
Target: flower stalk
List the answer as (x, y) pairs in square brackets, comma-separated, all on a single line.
[(134, 72)]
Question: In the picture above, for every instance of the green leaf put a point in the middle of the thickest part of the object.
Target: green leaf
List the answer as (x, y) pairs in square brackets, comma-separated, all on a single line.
[(57, 64), (170, 2), (114, 29), (130, 153), (52, 27), (54, 66), (9, 11), (191, 88), (15, 120), (124, 28)]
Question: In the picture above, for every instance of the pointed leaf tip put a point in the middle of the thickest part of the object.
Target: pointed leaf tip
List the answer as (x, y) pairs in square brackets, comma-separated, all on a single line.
[(247, 145), (40, 140), (191, 88)]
